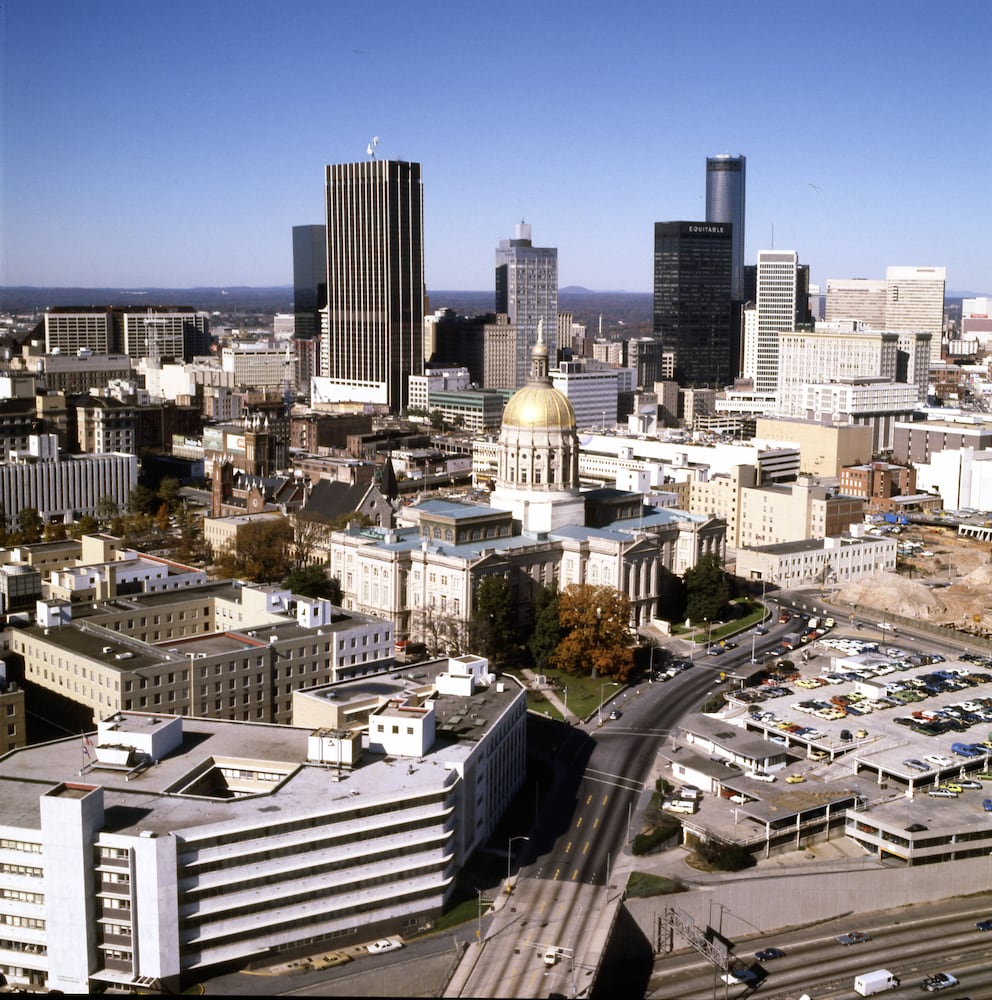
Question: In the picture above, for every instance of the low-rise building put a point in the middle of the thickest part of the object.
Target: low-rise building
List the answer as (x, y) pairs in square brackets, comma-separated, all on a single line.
[(220, 650), (158, 848), (834, 560)]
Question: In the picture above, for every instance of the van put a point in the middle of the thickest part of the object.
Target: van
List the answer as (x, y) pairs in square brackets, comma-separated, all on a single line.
[(870, 983)]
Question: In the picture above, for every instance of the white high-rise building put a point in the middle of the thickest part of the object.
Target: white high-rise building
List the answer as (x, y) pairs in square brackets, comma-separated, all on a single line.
[(857, 298), (776, 308), (914, 302), (527, 292)]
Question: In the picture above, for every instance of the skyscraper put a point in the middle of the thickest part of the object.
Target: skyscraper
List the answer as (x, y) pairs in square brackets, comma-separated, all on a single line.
[(778, 273), (527, 292), (692, 303), (725, 203), (372, 329), (309, 278), (914, 302)]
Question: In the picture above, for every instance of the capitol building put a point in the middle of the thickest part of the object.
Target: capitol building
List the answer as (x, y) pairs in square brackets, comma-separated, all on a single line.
[(539, 529)]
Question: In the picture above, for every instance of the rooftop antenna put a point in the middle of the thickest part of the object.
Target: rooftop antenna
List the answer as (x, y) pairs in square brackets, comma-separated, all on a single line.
[(371, 148)]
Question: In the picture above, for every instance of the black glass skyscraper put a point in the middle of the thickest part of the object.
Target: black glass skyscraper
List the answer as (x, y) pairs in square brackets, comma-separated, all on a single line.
[(692, 302), (725, 203), (373, 325), (309, 278)]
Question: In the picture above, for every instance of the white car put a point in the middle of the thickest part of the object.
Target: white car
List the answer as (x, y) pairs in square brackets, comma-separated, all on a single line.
[(551, 955), (759, 775), (886, 627), (936, 758), (738, 977), (383, 945)]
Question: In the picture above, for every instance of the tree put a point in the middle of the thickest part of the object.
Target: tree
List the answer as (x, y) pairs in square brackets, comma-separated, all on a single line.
[(29, 525), (162, 518), (86, 525), (313, 581), (547, 632), (707, 589), (54, 532), (596, 623), (261, 553), (142, 500), (107, 509), (493, 618), (308, 536), (168, 493)]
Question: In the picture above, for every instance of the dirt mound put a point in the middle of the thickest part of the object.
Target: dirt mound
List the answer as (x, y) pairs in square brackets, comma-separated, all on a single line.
[(893, 593)]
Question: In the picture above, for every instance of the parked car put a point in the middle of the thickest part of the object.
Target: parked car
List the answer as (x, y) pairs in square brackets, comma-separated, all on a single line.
[(942, 793), (936, 758), (987, 805), (794, 779), (916, 828), (916, 765), (759, 775), (968, 783), (854, 937), (965, 750)]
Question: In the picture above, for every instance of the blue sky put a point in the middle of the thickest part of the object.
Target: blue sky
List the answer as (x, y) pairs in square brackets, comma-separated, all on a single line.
[(177, 144)]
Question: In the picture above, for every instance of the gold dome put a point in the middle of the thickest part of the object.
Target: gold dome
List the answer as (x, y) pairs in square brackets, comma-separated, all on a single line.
[(539, 405)]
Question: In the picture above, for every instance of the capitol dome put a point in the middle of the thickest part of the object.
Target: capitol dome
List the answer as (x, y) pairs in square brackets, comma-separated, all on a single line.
[(537, 459)]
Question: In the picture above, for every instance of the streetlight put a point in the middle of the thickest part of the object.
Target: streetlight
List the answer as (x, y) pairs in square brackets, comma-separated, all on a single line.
[(509, 845), (602, 689), (564, 716)]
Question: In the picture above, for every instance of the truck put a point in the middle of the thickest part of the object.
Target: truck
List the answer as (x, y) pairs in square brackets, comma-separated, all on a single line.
[(870, 983), (790, 640)]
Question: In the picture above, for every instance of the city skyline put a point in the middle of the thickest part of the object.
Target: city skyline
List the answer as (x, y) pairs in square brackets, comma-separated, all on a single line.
[(179, 147)]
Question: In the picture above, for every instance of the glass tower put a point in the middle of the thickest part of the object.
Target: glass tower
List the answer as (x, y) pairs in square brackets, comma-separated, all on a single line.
[(692, 304), (725, 203)]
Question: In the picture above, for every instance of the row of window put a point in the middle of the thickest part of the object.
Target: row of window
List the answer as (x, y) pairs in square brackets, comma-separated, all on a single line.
[(30, 923), (20, 845), (22, 870)]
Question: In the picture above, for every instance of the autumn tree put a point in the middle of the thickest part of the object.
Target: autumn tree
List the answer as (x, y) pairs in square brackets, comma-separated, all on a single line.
[(596, 626)]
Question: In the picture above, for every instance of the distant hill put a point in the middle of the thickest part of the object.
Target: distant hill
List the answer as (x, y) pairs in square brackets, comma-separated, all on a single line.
[(625, 313)]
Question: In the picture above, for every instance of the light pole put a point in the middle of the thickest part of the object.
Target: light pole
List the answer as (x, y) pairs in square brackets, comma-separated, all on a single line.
[(602, 690), (565, 713), (509, 845)]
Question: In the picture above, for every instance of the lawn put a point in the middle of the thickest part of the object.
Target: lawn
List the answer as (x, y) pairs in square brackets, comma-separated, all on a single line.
[(583, 694)]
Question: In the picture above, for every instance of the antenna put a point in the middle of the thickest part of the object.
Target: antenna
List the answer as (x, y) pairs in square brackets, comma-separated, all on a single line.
[(371, 148)]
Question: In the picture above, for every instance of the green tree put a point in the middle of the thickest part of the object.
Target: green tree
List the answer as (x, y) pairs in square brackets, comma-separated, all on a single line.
[(54, 532), (493, 618), (547, 632), (313, 581), (707, 589), (596, 622), (261, 554), (29, 525), (142, 500), (107, 510)]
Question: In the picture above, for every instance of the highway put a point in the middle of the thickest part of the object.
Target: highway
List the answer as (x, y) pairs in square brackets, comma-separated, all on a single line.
[(911, 942)]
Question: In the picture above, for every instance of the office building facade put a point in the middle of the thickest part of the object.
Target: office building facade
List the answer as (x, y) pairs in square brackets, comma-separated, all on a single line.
[(692, 299), (372, 328), (527, 293), (778, 276), (914, 302), (725, 190)]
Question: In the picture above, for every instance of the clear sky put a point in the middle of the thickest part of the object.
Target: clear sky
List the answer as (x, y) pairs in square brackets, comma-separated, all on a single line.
[(176, 144)]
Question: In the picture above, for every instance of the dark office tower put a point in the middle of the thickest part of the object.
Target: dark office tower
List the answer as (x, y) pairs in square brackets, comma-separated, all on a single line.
[(725, 203), (372, 336), (309, 278), (692, 303)]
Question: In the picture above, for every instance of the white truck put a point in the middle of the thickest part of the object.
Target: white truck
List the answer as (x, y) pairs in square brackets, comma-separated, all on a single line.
[(870, 983)]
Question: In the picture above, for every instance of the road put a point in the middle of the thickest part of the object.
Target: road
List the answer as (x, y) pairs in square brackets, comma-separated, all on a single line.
[(911, 942), (568, 896)]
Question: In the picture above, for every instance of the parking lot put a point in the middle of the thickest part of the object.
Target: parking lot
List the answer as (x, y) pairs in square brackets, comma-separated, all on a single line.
[(912, 718)]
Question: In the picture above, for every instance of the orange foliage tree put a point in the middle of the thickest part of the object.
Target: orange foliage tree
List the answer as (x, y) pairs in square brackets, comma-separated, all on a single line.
[(596, 623)]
